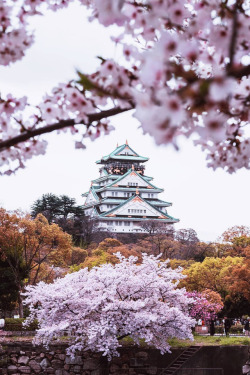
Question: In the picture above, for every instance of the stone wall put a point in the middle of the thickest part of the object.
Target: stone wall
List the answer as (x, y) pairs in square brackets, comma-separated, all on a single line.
[(24, 358), (18, 358)]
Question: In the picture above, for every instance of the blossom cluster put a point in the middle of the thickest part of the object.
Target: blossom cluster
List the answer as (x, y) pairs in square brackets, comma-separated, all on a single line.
[(204, 305), (185, 71), (98, 307)]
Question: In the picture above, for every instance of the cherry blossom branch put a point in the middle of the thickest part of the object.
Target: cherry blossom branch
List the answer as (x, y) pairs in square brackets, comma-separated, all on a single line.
[(239, 73), (233, 37), (58, 126)]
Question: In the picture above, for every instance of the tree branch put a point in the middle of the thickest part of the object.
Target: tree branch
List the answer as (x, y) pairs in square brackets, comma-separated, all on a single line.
[(239, 73), (60, 125), (233, 38)]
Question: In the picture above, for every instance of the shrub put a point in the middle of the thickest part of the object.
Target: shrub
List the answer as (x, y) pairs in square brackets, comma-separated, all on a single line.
[(234, 329), (15, 325)]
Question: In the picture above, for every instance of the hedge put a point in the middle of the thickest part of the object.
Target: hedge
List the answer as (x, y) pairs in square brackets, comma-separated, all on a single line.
[(12, 324), (233, 329)]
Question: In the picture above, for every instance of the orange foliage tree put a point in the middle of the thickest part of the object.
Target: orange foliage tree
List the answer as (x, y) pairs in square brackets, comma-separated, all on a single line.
[(239, 277), (27, 245)]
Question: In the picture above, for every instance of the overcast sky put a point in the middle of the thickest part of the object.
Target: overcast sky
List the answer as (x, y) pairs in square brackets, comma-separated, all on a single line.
[(206, 201)]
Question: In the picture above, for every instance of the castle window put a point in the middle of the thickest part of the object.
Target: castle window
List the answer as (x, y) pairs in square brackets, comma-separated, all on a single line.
[(128, 211)]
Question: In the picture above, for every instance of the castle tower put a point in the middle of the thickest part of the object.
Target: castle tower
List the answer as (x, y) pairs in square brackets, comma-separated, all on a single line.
[(123, 197)]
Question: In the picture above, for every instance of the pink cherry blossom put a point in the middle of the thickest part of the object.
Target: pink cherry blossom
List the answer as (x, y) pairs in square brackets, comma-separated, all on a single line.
[(182, 61), (98, 307)]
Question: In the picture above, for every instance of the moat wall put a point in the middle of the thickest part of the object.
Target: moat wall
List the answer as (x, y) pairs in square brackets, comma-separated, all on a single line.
[(23, 358)]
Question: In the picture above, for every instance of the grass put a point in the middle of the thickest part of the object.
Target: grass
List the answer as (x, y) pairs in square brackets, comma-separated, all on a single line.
[(174, 343), (198, 341), (211, 341)]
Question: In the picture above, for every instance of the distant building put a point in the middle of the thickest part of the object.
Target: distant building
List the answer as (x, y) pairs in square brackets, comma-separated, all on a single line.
[(123, 197)]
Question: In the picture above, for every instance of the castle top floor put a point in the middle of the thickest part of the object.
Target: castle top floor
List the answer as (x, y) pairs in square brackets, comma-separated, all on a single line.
[(119, 161)]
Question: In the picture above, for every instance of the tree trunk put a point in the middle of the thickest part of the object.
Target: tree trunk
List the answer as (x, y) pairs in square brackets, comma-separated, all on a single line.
[(20, 302)]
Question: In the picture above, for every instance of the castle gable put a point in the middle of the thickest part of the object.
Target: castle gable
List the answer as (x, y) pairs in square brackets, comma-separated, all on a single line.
[(136, 206)]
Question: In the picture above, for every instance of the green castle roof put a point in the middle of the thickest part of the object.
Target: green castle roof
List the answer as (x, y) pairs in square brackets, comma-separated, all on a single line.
[(102, 188), (114, 155), (144, 200)]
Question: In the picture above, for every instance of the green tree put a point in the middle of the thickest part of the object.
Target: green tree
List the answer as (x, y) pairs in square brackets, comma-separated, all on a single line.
[(8, 288), (64, 211), (56, 208)]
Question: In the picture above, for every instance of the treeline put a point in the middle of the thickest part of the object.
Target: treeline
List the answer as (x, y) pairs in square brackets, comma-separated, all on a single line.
[(56, 238)]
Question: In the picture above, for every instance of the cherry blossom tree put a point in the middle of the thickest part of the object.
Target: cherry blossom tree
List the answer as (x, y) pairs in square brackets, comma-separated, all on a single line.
[(206, 305), (185, 71), (101, 306)]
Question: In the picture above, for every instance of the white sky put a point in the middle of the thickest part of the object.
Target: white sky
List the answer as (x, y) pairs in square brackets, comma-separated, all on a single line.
[(206, 201)]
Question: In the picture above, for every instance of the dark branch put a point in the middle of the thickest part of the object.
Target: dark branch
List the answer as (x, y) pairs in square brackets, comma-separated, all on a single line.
[(58, 126), (239, 73), (233, 38)]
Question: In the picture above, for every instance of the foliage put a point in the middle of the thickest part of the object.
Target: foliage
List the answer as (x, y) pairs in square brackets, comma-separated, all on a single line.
[(184, 71), (210, 274), (17, 325), (64, 211), (78, 255), (235, 232), (239, 277), (8, 288), (206, 306), (26, 244), (107, 303), (222, 275), (234, 330)]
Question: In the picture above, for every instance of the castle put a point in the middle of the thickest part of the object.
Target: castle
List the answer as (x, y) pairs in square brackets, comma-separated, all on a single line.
[(122, 198)]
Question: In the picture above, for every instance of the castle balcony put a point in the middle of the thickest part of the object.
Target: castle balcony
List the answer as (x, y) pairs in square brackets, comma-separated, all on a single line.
[(119, 168)]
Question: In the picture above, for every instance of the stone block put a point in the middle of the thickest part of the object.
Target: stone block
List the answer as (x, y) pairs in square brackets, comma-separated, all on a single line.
[(113, 368), (24, 359), (77, 368), (61, 372), (90, 364), (142, 355), (136, 362), (96, 372), (12, 369), (45, 363), (24, 369), (61, 357), (56, 363), (152, 370), (35, 366), (50, 370), (77, 360)]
